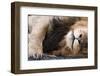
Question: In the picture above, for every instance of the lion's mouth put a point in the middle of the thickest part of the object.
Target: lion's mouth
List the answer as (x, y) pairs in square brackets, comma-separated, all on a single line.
[(75, 38)]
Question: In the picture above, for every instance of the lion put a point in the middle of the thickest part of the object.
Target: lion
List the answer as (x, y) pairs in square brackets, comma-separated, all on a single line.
[(57, 35)]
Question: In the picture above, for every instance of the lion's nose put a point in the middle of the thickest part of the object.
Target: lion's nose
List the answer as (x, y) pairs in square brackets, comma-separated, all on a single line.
[(79, 38), (80, 35)]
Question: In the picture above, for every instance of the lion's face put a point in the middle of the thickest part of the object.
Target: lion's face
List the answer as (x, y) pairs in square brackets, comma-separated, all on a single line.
[(76, 39), (75, 42)]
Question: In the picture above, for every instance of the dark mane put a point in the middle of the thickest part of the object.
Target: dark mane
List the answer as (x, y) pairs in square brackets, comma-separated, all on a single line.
[(60, 28)]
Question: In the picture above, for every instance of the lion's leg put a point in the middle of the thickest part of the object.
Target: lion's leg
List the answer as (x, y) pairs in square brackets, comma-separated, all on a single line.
[(37, 35)]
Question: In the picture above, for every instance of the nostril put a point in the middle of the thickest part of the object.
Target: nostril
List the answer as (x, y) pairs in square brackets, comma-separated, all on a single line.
[(80, 35)]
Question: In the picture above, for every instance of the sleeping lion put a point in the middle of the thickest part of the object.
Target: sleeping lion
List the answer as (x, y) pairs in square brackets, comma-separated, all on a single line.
[(57, 35)]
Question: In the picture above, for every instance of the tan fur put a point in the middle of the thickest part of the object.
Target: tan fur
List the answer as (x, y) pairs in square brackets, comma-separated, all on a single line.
[(39, 27)]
